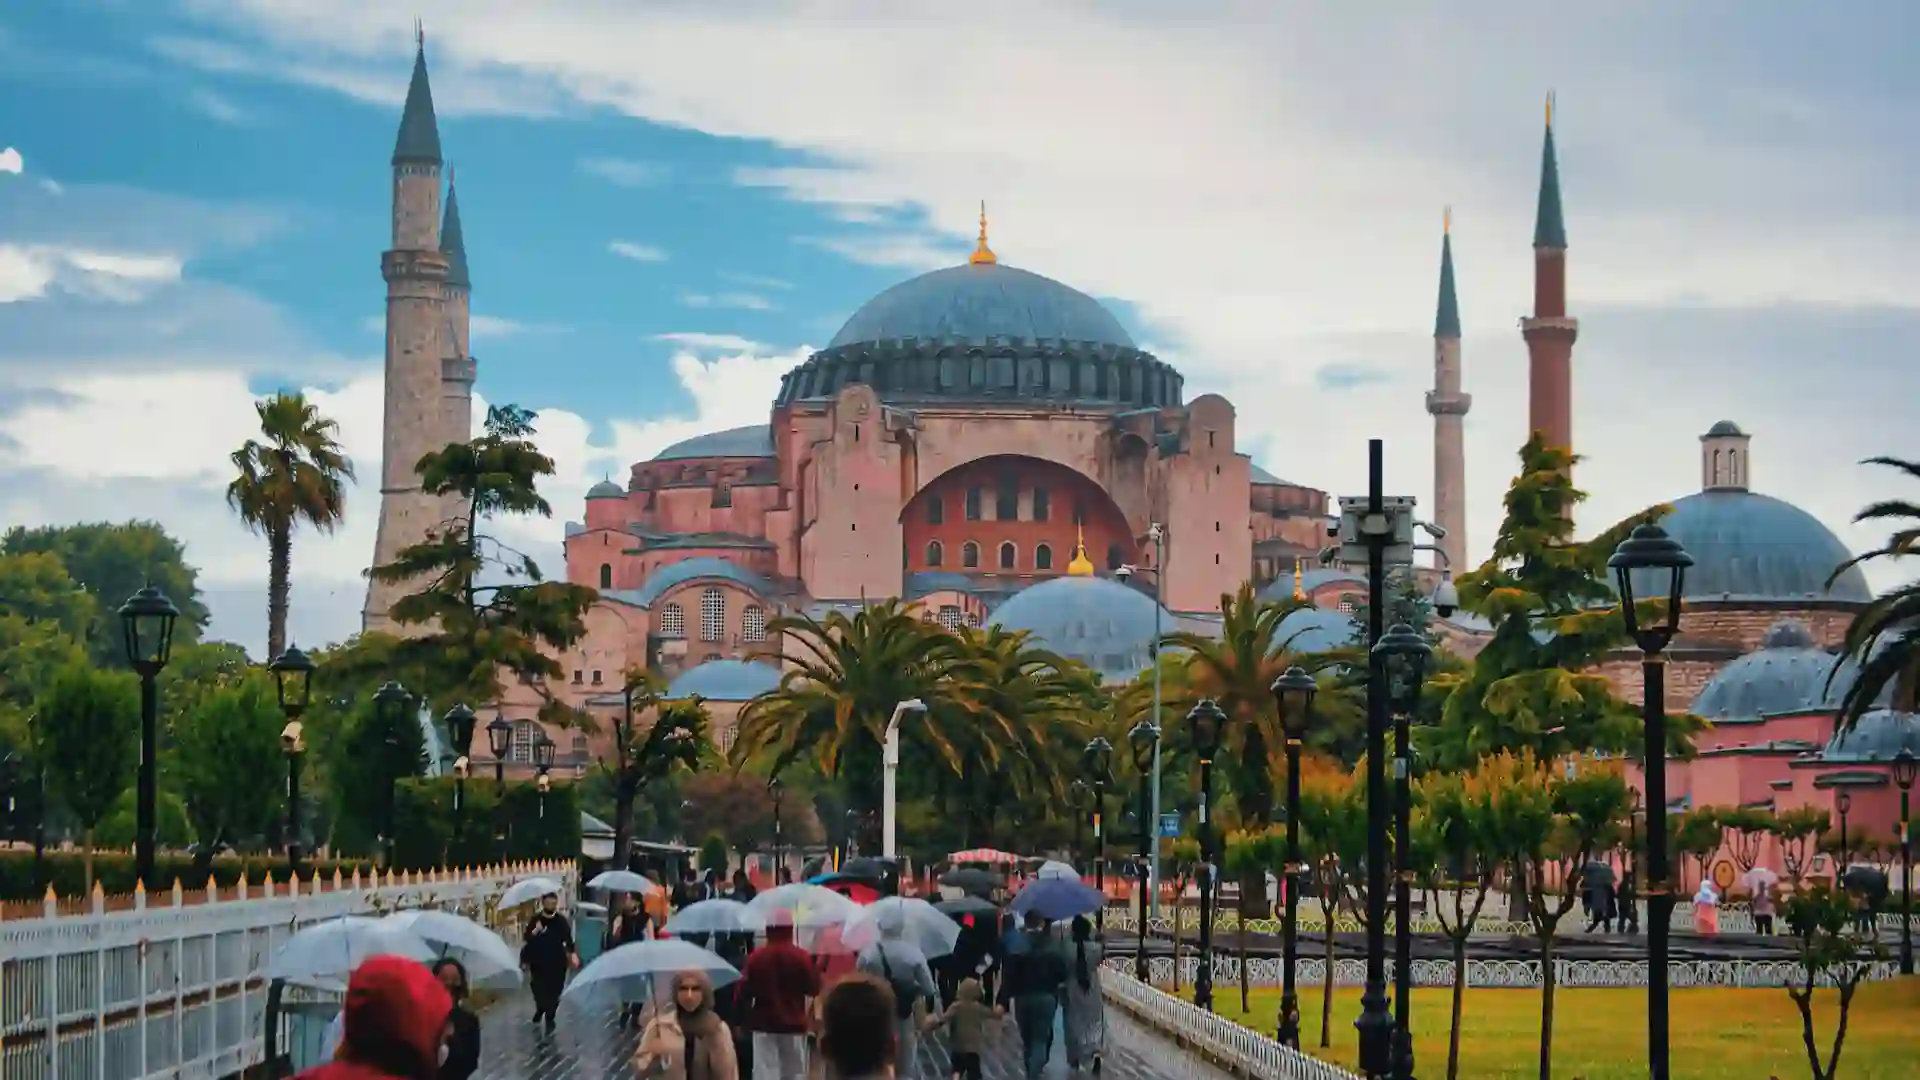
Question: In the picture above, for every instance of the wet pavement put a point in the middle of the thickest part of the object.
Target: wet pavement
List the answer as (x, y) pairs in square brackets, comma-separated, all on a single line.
[(589, 1045)]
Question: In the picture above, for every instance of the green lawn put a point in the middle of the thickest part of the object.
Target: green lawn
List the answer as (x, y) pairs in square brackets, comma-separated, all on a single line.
[(1716, 1034)]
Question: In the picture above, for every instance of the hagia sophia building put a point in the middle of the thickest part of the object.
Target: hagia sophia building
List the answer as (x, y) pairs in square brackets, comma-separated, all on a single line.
[(992, 445)]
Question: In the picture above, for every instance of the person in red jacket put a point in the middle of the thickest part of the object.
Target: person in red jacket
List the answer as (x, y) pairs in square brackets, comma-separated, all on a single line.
[(775, 995), (395, 1022)]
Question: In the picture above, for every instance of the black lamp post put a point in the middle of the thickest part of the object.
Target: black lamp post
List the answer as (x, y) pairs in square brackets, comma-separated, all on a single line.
[(459, 722), (1293, 694), (1099, 758), (1404, 660), (390, 705), (543, 760), (1842, 802), (1653, 565), (293, 681), (1906, 768), (774, 788), (1207, 722), (10, 771), (1630, 903), (499, 740), (1077, 802), (1143, 740), (146, 620)]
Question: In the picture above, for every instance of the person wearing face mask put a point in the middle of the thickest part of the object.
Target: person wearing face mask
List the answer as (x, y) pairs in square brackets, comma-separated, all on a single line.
[(548, 951), (393, 1024), (460, 1057), (688, 1040)]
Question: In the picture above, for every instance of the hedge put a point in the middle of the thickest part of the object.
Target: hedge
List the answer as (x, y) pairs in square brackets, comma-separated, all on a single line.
[(424, 824), (66, 871)]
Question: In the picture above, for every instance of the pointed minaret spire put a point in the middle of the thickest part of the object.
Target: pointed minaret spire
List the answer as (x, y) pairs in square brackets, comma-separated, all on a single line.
[(1549, 224), (453, 242), (419, 139), (1448, 406), (1549, 331)]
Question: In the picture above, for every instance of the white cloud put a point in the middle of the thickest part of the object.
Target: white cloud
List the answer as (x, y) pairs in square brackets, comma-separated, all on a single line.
[(11, 162), (218, 107), (627, 249), (740, 300), (700, 342), (758, 281), (29, 271), (625, 172)]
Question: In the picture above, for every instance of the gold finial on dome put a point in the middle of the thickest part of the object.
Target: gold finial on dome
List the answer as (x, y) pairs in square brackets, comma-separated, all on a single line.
[(1081, 566), (983, 255), (1299, 589)]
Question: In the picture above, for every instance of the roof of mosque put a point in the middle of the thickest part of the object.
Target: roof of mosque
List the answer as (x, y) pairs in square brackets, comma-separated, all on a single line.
[(1100, 622), (703, 567), (1877, 736), (725, 680), (753, 440), (1789, 673), (976, 302), (1748, 546)]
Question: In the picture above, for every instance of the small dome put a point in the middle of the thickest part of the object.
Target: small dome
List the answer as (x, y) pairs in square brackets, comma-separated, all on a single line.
[(1314, 630), (698, 568), (1747, 546), (1722, 428), (606, 489), (1281, 588), (1876, 736), (1787, 674), (978, 301), (1097, 621), (754, 440), (725, 680)]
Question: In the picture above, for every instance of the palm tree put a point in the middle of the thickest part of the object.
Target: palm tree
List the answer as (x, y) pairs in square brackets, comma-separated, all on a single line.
[(295, 472), (1884, 639)]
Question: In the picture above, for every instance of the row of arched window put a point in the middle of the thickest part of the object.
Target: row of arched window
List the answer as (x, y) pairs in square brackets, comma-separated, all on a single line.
[(526, 733), (1008, 556), (713, 619), (1006, 505)]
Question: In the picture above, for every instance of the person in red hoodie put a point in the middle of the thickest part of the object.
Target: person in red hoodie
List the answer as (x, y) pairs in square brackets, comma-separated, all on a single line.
[(775, 996), (395, 1022)]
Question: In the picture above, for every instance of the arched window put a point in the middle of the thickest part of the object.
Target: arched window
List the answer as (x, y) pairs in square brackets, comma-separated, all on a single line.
[(579, 748), (606, 575), (713, 615), (753, 624), (1006, 502), (525, 734), (1043, 557), (1116, 558), (950, 618), (974, 496), (673, 621), (1040, 506), (934, 553), (970, 555), (936, 510), (1008, 555), (973, 619)]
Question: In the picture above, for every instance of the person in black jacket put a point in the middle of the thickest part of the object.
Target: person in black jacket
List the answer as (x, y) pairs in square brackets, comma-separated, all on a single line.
[(463, 1028), (547, 952), (1036, 977), (629, 924)]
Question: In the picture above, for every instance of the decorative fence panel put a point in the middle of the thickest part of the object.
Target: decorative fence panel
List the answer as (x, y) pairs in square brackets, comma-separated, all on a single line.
[(1236, 1049), (1266, 972), (1735, 918), (175, 990)]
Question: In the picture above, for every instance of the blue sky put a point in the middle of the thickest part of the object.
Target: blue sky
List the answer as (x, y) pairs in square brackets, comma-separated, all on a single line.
[(666, 203)]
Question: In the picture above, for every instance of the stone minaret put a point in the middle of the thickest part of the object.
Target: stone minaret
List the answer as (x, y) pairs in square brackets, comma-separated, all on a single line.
[(458, 370), (1549, 332), (1449, 406), (418, 290)]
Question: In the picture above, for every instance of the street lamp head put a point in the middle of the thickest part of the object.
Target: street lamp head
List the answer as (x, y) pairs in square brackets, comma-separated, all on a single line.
[(459, 721), (499, 736), (543, 753), (1403, 654), (1446, 598), (462, 766), (1208, 724), (390, 701), (1843, 802), (1906, 768), (1156, 532), (1141, 740), (545, 783), (293, 680), (1099, 761), (1661, 564), (1293, 694), (293, 741), (147, 620)]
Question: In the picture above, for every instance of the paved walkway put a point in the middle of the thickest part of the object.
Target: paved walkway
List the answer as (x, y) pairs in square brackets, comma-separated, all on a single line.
[(588, 1046)]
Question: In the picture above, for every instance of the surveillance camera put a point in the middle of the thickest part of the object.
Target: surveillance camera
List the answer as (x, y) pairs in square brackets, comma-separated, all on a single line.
[(1123, 572), (1327, 555), (1156, 531), (1446, 598), (461, 765), (1436, 531)]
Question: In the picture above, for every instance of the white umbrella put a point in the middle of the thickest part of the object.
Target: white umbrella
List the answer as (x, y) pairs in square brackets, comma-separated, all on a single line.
[(1054, 869), (902, 920), (629, 971), (486, 956), (525, 892), (326, 953), (808, 907), (620, 881), (716, 917)]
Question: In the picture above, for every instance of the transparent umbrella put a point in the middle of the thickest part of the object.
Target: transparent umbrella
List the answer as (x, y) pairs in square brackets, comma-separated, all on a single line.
[(526, 892), (716, 917), (1054, 869), (325, 953), (620, 881), (489, 960), (631, 972), (808, 907), (904, 919)]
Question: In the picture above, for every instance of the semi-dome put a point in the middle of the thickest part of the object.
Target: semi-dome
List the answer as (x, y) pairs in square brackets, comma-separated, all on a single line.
[(978, 302), (1787, 674), (754, 440), (1313, 630), (1748, 546), (1097, 621), (1877, 736), (606, 489), (725, 680)]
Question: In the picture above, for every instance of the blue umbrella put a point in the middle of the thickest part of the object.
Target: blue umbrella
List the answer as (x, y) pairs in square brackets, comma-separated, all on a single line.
[(1054, 899)]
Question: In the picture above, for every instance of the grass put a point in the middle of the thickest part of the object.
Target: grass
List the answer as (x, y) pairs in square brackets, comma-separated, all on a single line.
[(1717, 1033)]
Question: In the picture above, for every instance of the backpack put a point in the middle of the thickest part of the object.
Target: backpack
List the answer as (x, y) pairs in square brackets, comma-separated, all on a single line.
[(904, 994)]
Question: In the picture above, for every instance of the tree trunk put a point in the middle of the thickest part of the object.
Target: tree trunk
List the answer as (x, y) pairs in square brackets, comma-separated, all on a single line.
[(1546, 1005), (623, 823), (1253, 895), (86, 859), (279, 573), (1459, 1000), (1329, 908)]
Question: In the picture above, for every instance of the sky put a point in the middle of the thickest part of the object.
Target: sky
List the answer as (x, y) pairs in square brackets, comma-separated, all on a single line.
[(669, 204)]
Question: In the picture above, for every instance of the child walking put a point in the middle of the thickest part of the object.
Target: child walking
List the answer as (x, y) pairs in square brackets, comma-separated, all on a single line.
[(966, 1022)]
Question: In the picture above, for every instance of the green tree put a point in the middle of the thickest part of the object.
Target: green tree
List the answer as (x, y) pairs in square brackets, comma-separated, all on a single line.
[(1797, 832), (1455, 837), (1406, 603), (1820, 918), (113, 562), (1333, 833), (1884, 639), (294, 474), (89, 729), (1535, 686), (227, 767), (648, 752), (371, 756), (481, 608), (1697, 833)]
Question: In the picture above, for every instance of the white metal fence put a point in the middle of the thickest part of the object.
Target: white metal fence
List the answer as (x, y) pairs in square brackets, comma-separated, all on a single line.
[(174, 989), (1239, 1050), (1736, 918), (1267, 972)]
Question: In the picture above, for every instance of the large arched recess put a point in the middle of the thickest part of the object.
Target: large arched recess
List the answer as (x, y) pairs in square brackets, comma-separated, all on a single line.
[(1072, 503)]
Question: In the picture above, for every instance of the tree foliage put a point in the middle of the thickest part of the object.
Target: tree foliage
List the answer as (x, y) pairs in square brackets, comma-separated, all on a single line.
[(1884, 639), (226, 765), (654, 740), (89, 732), (1820, 918), (112, 562)]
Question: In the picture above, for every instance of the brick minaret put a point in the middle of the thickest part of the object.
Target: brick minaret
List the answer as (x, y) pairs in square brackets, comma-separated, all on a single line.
[(418, 290), (457, 368), (1549, 332), (1449, 406)]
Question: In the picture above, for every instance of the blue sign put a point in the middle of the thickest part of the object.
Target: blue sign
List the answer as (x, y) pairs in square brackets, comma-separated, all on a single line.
[(1170, 824)]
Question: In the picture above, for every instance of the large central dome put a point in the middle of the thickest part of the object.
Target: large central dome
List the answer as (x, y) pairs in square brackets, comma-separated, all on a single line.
[(976, 303)]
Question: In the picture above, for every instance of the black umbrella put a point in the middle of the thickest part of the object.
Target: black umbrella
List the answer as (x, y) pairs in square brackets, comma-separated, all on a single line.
[(972, 880), (966, 905), (865, 868)]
